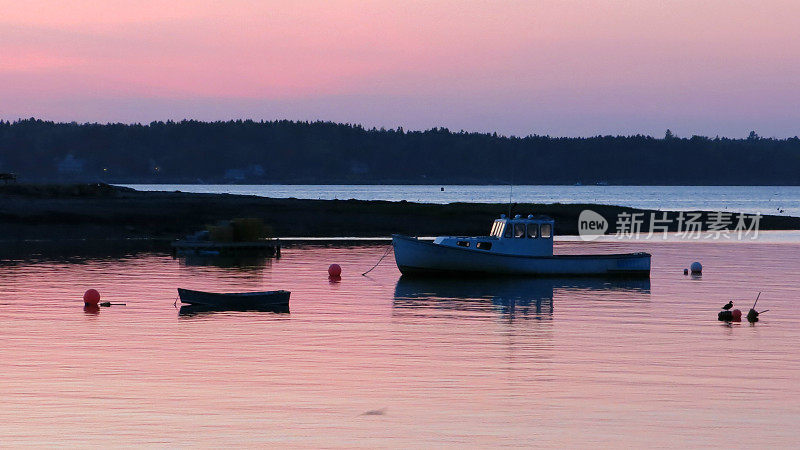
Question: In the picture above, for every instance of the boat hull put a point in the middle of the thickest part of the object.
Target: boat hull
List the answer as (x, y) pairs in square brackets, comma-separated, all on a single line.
[(240, 301), (415, 257)]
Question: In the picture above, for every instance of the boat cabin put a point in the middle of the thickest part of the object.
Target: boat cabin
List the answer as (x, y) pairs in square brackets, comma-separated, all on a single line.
[(529, 236)]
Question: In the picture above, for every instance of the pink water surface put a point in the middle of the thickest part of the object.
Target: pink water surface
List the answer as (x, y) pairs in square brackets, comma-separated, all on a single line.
[(384, 361)]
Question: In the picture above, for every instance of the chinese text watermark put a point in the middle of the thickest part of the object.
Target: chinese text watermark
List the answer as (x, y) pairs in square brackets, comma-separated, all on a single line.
[(684, 225)]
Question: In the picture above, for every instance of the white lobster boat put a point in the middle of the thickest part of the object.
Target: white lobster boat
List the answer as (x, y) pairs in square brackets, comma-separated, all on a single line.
[(518, 246)]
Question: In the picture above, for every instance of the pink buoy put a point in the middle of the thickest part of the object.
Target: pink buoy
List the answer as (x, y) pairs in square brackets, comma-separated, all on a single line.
[(334, 271), (91, 297)]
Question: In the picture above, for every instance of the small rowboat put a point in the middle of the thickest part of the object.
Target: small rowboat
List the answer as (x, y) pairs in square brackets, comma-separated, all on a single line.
[(239, 301)]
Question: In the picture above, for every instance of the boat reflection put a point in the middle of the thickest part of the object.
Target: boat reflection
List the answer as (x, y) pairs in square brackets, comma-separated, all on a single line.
[(242, 262), (200, 310), (528, 298)]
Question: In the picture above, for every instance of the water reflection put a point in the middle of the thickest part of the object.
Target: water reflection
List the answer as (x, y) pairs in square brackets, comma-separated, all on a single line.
[(527, 298), (204, 311), (622, 354), (243, 262), (77, 251)]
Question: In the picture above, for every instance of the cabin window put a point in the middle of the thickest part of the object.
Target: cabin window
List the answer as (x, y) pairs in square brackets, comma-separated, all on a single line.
[(496, 229), (547, 230), (508, 230), (533, 231), (484, 245), (463, 243), (519, 230)]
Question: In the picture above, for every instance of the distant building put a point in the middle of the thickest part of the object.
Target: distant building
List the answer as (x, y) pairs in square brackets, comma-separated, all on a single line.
[(358, 168), (257, 170), (235, 175), (252, 171), (70, 165)]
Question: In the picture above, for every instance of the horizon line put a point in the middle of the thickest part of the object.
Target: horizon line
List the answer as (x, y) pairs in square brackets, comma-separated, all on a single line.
[(751, 134)]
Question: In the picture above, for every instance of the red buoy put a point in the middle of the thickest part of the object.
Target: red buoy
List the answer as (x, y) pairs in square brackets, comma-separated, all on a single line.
[(91, 297), (334, 271), (737, 315)]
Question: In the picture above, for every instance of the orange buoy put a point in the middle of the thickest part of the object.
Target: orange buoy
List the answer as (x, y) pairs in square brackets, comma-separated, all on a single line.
[(91, 297), (736, 315), (334, 271)]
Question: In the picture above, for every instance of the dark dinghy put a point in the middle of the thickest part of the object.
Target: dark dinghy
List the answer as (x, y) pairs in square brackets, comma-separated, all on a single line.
[(239, 301)]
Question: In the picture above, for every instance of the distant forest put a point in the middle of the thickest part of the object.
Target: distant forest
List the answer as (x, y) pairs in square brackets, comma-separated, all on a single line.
[(251, 152)]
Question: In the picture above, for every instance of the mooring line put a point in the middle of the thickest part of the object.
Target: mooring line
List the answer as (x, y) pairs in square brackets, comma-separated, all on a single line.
[(379, 261)]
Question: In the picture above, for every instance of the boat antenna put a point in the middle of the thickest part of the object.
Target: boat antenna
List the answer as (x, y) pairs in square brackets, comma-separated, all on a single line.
[(511, 186), (510, 196)]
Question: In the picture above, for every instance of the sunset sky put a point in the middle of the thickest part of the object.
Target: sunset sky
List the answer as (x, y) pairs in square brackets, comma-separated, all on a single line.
[(558, 67)]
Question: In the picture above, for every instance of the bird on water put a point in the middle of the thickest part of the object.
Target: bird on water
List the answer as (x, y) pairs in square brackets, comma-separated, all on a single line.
[(728, 306)]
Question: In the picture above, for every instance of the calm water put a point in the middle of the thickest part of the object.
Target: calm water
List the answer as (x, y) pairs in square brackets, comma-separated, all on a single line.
[(549, 362), (775, 200)]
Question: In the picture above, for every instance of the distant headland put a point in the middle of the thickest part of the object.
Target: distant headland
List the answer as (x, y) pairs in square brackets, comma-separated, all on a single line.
[(109, 213), (253, 152)]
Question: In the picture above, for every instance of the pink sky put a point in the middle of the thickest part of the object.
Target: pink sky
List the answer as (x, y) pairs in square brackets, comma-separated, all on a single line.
[(517, 67)]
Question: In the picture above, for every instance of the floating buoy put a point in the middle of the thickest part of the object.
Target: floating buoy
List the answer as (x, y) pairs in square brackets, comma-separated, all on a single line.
[(686, 271), (696, 268), (730, 316), (91, 297), (752, 316), (335, 271)]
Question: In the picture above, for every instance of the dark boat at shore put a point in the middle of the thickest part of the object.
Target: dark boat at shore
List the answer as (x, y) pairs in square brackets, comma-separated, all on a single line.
[(238, 301)]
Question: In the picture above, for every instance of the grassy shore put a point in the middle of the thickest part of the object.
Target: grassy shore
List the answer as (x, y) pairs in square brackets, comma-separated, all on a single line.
[(102, 212)]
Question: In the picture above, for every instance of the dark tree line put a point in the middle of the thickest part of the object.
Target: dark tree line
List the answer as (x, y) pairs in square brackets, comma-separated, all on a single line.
[(245, 151)]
